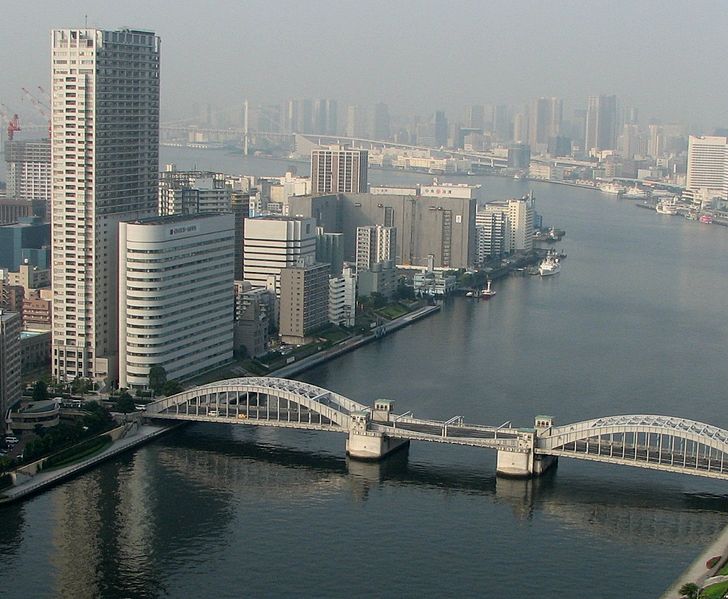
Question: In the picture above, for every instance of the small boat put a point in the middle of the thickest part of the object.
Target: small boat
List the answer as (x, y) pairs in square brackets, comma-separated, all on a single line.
[(469, 294), (706, 218), (487, 293), (666, 207), (550, 265)]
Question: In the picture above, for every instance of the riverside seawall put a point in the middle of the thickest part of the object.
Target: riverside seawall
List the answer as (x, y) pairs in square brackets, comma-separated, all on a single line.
[(126, 439), (354, 343)]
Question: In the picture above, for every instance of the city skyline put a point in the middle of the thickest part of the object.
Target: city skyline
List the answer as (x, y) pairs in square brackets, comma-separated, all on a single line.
[(506, 54)]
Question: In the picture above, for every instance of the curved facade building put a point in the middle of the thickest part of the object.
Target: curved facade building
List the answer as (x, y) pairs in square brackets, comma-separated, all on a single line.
[(175, 296)]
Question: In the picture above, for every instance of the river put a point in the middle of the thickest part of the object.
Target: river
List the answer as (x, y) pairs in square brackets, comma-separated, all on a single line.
[(634, 323)]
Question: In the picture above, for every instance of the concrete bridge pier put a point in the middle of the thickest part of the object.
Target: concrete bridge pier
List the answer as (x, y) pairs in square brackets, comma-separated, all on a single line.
[(365, 444), (523, 461)]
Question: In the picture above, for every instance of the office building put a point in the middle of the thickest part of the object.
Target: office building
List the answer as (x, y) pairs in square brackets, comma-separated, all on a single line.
[(29, 171), (442, 225), (708, 166), (545, 117), (440, 124), (330, 250), (381, 125), (240, 207), (375, 243), (475, 117), (105, 157), (273, 243), (601, 123), (175, 296), (10, 383), (338, 170), (26, 241), (304, 300), (12, 210)]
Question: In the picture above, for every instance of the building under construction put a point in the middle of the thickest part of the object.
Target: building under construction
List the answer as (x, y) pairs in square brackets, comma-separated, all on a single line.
[(28, 165)]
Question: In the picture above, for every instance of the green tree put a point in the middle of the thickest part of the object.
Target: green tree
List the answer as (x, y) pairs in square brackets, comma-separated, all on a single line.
[(690, 590), (125, 403), (157, 379), (171, 388), (81, 385), (40, 391)]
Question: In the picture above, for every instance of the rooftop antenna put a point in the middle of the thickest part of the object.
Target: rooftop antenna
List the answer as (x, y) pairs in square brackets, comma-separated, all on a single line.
[(85, 21)]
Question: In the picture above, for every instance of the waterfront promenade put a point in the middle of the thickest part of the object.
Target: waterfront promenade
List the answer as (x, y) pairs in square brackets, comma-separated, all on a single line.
[(35, 483)]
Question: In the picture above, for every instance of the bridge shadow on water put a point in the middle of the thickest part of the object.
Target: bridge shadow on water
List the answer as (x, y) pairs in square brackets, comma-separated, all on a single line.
[(638, 507)]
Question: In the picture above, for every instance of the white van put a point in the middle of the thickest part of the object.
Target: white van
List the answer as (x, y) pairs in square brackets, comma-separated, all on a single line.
[(213, 413)]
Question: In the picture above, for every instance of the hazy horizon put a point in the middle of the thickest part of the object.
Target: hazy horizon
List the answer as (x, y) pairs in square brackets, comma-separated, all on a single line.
[(416, 56)]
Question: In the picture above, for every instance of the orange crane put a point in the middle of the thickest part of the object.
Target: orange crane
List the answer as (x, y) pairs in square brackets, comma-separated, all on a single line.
[(13, 122)]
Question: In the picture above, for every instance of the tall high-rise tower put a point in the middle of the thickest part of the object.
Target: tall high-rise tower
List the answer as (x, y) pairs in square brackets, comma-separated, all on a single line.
[(601, 123), (104, 155)]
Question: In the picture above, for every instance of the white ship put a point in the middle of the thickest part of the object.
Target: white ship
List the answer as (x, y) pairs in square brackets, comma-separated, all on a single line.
[(550, 265), (666, 207), (611, 189)]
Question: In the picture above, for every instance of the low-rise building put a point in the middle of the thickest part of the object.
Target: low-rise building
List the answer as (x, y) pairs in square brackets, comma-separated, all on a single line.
[(43, 414), (434, 283), (35, 349), (381, 278)]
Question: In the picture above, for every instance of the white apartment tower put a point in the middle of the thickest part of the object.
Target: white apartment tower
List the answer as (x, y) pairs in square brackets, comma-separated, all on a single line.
[(708, 165), (104, 164), (175, 296), (491, 225), (520, 225), (375, 243)]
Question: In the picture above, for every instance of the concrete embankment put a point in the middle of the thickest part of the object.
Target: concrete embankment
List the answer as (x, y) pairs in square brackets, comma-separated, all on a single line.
[(354, 343), (30, 481), (698, 572)]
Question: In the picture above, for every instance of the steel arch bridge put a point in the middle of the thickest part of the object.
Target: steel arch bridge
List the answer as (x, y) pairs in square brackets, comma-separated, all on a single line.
[(259, 401), (648, 441)]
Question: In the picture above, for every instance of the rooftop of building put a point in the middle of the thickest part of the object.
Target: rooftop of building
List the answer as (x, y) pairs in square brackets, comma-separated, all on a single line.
[(30, 333), (175, 218)]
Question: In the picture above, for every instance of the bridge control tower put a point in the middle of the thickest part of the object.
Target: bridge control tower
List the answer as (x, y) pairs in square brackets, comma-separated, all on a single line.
[(366, 443)]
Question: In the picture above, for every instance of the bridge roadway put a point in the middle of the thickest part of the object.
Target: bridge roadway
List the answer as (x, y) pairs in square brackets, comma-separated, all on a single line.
[(646, 441)]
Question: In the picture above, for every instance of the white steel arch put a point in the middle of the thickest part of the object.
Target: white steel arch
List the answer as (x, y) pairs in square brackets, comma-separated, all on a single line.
[(691, 430), (335, 408)]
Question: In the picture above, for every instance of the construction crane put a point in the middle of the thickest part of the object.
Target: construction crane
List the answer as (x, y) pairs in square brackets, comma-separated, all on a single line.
[(42, 108), (12, 121)]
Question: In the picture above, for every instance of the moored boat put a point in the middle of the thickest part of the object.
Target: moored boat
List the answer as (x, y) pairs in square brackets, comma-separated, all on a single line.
[(487, 293), (550, 265)]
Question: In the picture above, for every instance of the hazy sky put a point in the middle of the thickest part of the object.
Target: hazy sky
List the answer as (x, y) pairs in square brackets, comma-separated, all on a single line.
[(668, 58)]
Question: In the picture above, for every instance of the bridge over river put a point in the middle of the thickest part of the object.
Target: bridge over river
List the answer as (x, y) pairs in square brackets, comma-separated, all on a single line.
[(646, 441)]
